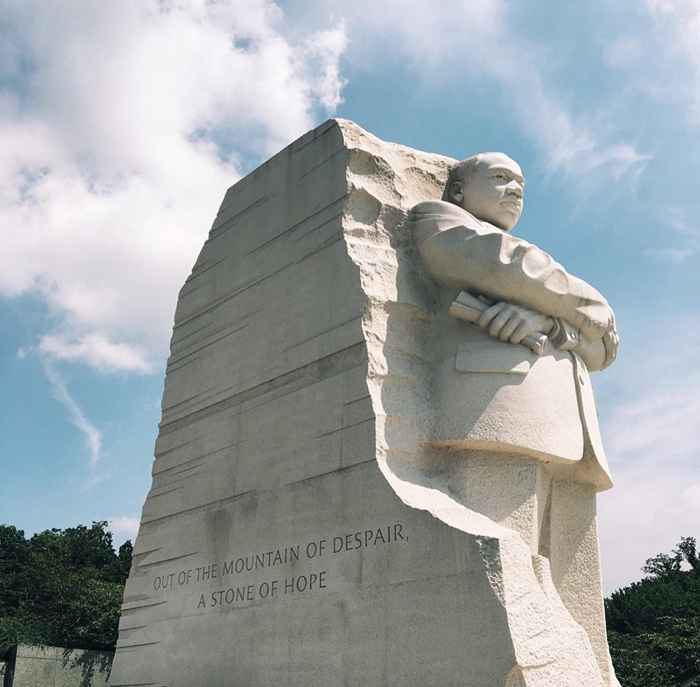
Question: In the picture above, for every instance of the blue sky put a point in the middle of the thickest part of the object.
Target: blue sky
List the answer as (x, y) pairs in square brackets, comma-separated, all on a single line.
[(122, 124)]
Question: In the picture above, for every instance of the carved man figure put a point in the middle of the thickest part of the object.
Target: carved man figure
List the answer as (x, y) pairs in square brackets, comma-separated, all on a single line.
[(513, 401)]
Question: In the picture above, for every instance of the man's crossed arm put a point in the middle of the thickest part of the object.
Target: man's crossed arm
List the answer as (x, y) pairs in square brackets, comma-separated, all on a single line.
[(515, 324), (531, 292), (518, 325)]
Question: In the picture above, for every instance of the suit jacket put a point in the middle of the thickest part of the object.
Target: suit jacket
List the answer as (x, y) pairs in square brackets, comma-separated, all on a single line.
[(498, 396)]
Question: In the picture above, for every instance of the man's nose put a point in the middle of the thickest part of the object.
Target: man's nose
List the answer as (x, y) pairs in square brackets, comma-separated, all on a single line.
[(515, 189)]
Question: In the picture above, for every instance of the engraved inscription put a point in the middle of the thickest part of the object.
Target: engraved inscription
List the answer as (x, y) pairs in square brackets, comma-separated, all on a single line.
[(246, 592)]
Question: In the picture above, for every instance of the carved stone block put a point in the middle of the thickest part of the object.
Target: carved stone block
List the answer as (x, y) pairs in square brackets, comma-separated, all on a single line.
[(321, 512)]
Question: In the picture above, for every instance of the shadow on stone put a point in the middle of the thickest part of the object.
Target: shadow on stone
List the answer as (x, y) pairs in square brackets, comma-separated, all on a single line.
[(90, 663)]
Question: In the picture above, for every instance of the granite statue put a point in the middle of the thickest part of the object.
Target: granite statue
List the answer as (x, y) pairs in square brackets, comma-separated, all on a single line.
[(378, 455), (525, 297), (514, 381)]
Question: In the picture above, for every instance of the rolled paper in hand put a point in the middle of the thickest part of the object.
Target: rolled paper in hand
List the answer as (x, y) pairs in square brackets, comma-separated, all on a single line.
[(469, 308)]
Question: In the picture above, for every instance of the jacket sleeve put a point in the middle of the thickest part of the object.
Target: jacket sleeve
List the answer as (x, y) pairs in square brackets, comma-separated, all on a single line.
[(475, 256)]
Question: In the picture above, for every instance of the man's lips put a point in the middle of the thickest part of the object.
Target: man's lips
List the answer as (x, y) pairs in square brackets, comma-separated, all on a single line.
[(513, 203)]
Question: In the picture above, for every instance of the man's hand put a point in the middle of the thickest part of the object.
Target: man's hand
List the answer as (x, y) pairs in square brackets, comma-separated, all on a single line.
[(512, 323), (611, 341)]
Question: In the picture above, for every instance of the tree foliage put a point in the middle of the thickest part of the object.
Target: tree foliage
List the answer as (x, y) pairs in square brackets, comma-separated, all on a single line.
[(61, 587), (654, 624)]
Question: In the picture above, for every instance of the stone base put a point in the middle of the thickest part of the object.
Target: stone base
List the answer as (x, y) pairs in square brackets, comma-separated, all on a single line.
[(357, 589)]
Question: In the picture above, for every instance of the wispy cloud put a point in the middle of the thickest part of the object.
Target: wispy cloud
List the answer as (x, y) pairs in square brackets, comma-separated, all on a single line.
[(660, 56), (662, 420), (92, 436), (650, 421), (678, 36), (322, 54), (647, 512), (96, 350), (124, 527), (675, 256), (685, 233), (476, 39), (121, 126)]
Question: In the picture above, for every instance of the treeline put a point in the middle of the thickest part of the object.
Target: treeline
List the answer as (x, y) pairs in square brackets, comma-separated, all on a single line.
[(61, 587), (654, 624)]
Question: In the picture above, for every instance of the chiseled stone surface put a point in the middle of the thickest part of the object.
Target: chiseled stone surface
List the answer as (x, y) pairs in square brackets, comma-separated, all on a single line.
[(304, 528), (50, 666)]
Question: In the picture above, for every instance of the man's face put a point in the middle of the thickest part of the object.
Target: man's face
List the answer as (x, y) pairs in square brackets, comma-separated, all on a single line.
[(494, 191)]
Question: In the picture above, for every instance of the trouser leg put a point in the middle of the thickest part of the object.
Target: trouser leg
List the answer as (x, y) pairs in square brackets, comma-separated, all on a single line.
[(509, 489), (555, 517), (575, 563), (550, 646)]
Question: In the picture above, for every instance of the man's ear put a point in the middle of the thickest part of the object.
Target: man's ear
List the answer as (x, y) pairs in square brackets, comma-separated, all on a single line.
[(456, 192)]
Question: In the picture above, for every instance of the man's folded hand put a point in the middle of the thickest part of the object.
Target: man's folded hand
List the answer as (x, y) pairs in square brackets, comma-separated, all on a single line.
[(513, 323)]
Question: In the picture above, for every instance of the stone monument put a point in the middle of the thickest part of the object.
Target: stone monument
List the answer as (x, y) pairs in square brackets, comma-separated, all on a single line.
[(379, 453)]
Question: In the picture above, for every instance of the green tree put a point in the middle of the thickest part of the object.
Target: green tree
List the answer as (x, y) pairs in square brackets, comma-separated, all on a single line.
[(61, 587), (654, 624)]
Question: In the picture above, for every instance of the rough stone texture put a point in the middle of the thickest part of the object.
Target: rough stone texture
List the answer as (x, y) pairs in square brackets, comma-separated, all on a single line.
[(297, 413), (49, 666)]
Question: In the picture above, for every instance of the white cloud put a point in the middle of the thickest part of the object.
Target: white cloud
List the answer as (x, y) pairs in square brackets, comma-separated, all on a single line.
[(675, 41), (121, 125), (661, 421), (652, 406), (686, 236), (323, 52), (97, 351), (123, 527), (647, 512), (92, 436), (476, 39), (675, 256), (678, 221)]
